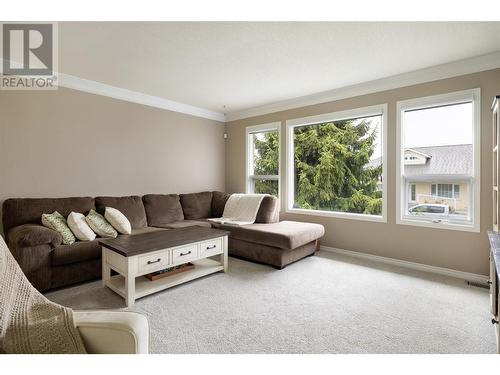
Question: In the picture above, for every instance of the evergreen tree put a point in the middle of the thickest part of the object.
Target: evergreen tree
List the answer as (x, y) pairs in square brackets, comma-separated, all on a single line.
[(266, 161), (332, 169)]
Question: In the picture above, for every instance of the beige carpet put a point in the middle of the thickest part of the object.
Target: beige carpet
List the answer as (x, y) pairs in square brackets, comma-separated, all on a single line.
[(322, 304)]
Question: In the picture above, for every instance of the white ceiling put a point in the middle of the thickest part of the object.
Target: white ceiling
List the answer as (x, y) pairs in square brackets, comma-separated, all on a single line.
[(233, 66)]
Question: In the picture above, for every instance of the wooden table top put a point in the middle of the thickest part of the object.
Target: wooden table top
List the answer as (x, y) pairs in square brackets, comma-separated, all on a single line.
[(159, 240)]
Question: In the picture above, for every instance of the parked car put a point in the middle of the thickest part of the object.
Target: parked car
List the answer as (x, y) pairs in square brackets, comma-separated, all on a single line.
[(430, 210)]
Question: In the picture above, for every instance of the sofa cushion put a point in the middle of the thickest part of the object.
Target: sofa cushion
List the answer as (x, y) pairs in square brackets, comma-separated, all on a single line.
[(268, 210), (131, 206), (219, 200), (285, 234), (197, 205), (20, 211), (187, 223), (77, 252), (162, 208)]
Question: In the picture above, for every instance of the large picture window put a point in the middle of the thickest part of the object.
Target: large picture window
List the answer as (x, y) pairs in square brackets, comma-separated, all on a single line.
[(336, 164), (438, 162), (263, 159)]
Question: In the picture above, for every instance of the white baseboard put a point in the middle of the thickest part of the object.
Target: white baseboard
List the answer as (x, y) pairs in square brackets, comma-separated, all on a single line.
[(481, 279)]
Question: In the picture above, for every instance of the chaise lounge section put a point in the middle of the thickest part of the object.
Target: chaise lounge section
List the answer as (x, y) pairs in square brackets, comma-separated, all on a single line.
[(49, 264), (277, 244)]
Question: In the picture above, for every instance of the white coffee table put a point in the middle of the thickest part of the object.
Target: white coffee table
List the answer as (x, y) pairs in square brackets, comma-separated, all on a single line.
[(134, 256)]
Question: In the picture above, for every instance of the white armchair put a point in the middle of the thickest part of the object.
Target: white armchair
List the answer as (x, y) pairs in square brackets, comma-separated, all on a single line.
[(113, 332), (26, 316)]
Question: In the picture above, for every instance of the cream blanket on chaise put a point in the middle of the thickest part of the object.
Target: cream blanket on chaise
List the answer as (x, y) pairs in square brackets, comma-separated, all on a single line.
[(240, 209), (29, 322)]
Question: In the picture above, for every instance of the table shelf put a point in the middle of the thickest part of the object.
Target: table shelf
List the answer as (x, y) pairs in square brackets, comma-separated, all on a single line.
[(144, 286)]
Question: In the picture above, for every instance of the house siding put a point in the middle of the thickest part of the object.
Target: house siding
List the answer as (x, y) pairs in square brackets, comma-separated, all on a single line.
[(424, 195)]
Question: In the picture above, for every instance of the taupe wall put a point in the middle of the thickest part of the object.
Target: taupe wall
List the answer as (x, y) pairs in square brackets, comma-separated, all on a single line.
[(69, 143), (458, 250)]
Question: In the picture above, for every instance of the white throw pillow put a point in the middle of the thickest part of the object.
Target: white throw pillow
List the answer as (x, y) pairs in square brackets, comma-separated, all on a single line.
[(118, 220), (79, 227)]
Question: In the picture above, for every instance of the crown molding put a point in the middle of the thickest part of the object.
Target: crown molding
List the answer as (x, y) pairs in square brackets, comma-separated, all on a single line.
[(434, 73), (453, 69), (98, 88)]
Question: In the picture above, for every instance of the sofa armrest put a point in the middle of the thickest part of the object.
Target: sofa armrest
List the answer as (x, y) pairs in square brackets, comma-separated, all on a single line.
[(33, 235), (113, 332), (32, 245)]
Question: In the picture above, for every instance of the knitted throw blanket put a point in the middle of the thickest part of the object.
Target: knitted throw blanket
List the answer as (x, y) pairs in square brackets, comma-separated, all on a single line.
[(240, 209), (29, 322)]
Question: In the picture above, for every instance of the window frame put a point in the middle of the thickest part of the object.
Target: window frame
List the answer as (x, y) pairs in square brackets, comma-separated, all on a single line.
[(457, 97), (249, 176), (374, 110)]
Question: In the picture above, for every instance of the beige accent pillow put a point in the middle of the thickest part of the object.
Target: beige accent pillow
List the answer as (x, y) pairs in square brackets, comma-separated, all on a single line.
[(118, 220), (100, 225), (57, 222), (79, 227)]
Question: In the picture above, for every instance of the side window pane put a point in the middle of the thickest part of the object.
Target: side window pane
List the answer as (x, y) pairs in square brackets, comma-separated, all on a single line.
[(438, 152), (413, 192), (265, 153), (264, 162), (456, 192), (266, 187)]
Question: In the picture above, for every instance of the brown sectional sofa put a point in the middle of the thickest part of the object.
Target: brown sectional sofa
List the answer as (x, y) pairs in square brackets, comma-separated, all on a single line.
[(49, 264)]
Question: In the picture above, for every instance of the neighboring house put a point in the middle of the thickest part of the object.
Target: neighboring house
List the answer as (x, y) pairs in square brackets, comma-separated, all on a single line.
[(438, 174)]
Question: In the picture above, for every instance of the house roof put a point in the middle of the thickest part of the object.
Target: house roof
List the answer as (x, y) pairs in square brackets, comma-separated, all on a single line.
[(444, 160), (418, 152)]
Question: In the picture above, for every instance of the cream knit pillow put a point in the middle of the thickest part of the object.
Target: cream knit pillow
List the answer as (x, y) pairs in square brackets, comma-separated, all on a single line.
[(79, 227), (118, 220)]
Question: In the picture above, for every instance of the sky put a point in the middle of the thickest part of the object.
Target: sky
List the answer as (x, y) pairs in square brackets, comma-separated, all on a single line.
[(450, 125)]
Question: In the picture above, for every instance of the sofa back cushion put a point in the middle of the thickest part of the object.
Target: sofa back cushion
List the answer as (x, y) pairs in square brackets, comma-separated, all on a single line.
[(131, 206), (197, 205), (219, 200), (268, 211), (162, 209), (20, 211)]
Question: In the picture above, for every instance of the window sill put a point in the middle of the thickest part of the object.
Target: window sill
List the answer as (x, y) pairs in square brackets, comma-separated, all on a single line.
[(441, 225), (338, 215)]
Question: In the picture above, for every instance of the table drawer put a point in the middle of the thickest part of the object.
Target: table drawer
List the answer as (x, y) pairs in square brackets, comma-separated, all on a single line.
[(184, 254), (211, 247), (153, 262)]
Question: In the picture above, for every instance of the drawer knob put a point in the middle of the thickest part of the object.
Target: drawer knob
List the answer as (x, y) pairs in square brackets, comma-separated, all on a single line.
[(494, 321), (182, 254), (154, 261), (211, 247)]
